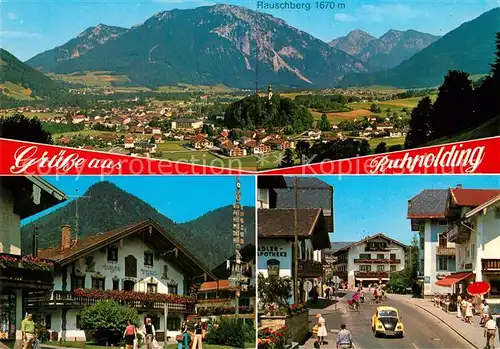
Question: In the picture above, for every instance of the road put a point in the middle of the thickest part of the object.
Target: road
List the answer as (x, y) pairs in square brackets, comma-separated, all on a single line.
[(423, 331)]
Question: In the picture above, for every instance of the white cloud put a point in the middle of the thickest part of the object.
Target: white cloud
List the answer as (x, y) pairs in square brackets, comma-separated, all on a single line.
[(342, 17), (11, 15), (19, 35)]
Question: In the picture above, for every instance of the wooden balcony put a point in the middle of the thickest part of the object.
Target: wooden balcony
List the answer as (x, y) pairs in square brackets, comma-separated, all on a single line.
[(310, 269), (445, 251), (67, 299), (491, 265), (377, 261), (458, 234), (17, 272), (371, 274), (376, 249)]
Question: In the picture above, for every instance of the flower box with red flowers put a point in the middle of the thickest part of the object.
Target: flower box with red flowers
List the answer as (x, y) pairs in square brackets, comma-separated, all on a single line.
[(118, 295)]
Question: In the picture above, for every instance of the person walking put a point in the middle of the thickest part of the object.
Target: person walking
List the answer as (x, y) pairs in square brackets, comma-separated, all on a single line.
[(490, 330), (183, 343), (130, 335), (459, 306), (28, 331), (344, 338), (361, 295), (485, 310), (322, 333), (149, 333), (468, 310), (198, 336)]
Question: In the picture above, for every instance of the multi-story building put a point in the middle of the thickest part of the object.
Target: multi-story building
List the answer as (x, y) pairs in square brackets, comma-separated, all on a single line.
[(20, 198), (371, 260), (186, 124), (139, 265), (431, 213), (476, 235), (276, 224)]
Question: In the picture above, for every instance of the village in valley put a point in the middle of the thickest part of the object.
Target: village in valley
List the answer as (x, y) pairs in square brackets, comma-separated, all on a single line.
[(71, 266), (193, 130)]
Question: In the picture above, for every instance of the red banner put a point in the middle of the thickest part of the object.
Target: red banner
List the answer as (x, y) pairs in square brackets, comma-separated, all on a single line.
[(470, 157)]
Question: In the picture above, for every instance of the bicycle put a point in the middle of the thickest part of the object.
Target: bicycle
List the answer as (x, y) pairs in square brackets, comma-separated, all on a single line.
[(352, 306)]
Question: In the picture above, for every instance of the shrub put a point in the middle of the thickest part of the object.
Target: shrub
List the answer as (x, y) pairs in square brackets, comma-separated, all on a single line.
[(269, 339), (229, 332), (108, 320)]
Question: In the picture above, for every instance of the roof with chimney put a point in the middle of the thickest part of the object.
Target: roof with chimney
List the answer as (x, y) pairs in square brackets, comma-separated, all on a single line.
[(151, 233), (435, 203)]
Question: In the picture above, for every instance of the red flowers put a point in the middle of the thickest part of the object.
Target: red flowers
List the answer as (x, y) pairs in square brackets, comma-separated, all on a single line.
[(225, 310), (269, 339), (27, 262), (134, 296)]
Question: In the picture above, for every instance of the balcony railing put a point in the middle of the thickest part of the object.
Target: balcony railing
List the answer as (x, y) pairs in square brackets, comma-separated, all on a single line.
[(377, 261), (458, 234), (60, 299), (491, 264), (310, 269), (377, 249), (371, 274), (25, 272)]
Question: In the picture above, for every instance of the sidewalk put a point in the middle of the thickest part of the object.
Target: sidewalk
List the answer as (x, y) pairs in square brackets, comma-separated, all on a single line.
[(334, 309), (472, 333)]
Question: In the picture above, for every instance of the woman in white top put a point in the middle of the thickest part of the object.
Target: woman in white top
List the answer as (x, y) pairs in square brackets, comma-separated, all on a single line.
[(468, 311), (322, 333)]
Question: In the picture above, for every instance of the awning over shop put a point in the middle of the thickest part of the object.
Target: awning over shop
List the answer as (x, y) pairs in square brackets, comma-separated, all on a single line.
[(452, 279)]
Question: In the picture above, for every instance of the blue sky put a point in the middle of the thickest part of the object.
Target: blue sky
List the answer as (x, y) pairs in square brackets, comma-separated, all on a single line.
[(31, 27), (366, 205), (181, 198)]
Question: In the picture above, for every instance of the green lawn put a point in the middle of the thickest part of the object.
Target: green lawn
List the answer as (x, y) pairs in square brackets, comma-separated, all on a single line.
[(388, 141), (171, 146), (207, 159), (90, 79), (16, 91), (394, 104)]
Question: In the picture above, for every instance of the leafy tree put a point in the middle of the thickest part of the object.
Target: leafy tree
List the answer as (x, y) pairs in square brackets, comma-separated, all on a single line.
[(395, 147), (375, 109), (287, 160), (453, 106), (108, 319), (364, 148), (324, 123), (301, 148), (403, 281), (234, 135), (275, 290), (152, 140), (381, 148), (21, 128), (420, 124), (230, 332)]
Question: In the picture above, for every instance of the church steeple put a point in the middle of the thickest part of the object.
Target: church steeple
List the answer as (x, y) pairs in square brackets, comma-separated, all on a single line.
[(269, 92)]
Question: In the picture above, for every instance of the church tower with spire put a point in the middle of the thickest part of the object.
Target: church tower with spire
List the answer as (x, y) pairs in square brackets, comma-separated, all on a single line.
[(269, 92)]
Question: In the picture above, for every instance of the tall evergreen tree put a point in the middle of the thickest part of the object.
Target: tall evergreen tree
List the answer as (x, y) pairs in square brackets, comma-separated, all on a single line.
[(420, 124), (453, 109)]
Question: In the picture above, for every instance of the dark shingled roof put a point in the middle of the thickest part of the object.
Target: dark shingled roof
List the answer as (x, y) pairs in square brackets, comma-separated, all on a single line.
[(430, 203), (279, 223), (311, 193)]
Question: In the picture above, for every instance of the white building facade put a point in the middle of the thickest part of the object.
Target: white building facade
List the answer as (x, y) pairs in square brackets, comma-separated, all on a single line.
[(119, 265), (370, 260)]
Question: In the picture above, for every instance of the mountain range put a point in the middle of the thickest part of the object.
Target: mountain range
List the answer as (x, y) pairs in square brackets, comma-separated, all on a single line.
[(234, 46), (206, 45), (107, 207), (386, 52), (469, 48)]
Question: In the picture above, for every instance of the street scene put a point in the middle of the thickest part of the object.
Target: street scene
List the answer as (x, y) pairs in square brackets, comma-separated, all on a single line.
[(127, 262), (406, 263)]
